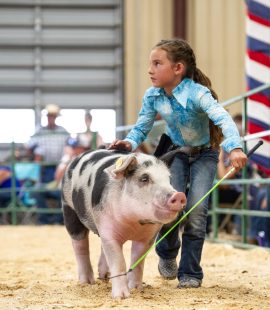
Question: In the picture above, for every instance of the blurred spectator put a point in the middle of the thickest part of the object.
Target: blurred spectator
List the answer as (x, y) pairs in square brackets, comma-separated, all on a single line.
[(74, 146), (6, 183), (265, 206), (230, 194), (259, 232), (47, 144), (90, 139)]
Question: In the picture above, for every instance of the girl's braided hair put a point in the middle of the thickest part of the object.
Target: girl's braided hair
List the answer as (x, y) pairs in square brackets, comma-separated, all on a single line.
[(179, 50)]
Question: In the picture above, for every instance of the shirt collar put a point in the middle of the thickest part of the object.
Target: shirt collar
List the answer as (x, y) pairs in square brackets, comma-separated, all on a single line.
[(180, 92)]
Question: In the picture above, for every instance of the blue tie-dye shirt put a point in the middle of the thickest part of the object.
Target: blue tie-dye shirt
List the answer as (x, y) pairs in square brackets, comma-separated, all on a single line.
[(186, 114)]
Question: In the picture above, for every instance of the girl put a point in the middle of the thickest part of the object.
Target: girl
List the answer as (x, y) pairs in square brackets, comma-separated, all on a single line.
[(182, 95)]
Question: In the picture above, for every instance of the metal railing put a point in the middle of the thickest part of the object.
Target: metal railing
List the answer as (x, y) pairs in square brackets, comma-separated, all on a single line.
[(16, 205)]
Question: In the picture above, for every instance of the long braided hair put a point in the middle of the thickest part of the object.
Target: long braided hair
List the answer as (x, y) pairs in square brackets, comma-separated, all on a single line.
[(179, 50)]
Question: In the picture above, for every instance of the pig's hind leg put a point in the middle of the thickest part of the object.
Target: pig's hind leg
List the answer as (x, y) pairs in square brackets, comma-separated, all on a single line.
[(79, 235)]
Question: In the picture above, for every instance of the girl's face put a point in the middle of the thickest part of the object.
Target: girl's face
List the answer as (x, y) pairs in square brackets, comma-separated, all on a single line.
[(163, 73)]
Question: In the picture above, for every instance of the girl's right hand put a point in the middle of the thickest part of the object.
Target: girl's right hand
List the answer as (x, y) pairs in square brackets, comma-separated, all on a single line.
[(120, 145)]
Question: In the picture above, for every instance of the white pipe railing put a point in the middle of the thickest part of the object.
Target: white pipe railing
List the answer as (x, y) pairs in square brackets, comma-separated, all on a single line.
[(256, 135)]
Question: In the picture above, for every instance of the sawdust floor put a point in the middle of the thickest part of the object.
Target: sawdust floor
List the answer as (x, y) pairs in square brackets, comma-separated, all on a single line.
[(38, 271)]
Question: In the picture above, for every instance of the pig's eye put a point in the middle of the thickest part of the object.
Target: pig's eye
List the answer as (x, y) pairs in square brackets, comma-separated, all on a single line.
[(144, 178)]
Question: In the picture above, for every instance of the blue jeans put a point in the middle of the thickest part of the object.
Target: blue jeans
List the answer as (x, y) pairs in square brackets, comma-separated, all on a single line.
[(47, 173), (199, 172), (5, 199)]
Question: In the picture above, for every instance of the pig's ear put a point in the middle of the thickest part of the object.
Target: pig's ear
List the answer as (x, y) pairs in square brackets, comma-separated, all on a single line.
[(122, 166), (168, 158)]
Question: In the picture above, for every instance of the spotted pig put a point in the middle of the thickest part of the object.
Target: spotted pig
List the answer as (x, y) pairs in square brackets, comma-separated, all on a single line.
[(119, 196)]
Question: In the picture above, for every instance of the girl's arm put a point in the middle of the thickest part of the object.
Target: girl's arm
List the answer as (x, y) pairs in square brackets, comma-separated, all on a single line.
[(222, 119), (141, 129), (232, 141)]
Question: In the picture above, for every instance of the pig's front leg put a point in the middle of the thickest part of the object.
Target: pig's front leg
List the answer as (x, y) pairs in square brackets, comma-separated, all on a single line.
[(136, 275), (103, 268), (81, 250), (113, 251)]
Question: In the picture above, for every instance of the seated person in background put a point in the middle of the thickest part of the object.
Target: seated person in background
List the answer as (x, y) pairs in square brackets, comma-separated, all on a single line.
[(74, 146), (90, 139), (230, 193), (6, 183), (259, 232), (227, 193), (265, 206)]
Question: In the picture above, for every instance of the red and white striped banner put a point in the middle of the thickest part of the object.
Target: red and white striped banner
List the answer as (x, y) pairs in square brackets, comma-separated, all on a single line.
[(258, 73)]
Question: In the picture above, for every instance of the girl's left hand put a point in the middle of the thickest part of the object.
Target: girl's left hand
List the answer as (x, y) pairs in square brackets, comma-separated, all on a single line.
[(120, 145), (238, 159)]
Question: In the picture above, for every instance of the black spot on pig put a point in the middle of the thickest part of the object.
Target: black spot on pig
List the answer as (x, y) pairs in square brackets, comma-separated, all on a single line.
[(101, 182), (123, 152), (78, 200), (63, 181), (130, 172), (82, 211), (72, 166), (84, 165), (89, 180), (132, 169), (94, 159), (74, 226), (87, 152), (147, 163)]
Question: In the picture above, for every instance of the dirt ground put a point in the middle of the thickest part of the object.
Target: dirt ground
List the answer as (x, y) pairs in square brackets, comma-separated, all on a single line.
[(38, 271)]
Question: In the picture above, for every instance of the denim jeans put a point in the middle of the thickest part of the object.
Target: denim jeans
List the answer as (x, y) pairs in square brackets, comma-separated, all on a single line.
[(47, 174), (5, 199), (199, 172)]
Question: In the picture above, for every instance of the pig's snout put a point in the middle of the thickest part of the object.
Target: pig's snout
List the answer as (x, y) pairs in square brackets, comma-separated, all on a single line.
[(177, 201)]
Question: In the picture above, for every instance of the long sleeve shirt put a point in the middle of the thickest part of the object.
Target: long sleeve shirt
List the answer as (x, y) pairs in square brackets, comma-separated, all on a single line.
[(186, 114), (49, 143)]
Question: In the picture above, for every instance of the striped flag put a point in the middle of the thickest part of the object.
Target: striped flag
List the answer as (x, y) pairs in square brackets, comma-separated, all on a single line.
[(258, 73)]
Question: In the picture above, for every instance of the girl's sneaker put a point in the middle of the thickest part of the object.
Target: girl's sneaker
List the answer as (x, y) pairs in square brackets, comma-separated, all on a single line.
[(189, 283), (168, 268)]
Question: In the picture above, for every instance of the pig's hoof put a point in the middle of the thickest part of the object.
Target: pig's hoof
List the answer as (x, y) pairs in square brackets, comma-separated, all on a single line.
[(104, 277), (135, 285), (120, 294), (84, 279)]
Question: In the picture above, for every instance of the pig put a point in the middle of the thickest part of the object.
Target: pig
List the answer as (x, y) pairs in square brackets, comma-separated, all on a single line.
[(120, 196)]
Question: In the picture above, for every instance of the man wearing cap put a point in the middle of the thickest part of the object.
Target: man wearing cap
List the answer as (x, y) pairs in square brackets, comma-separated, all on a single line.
[(47, 145)]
